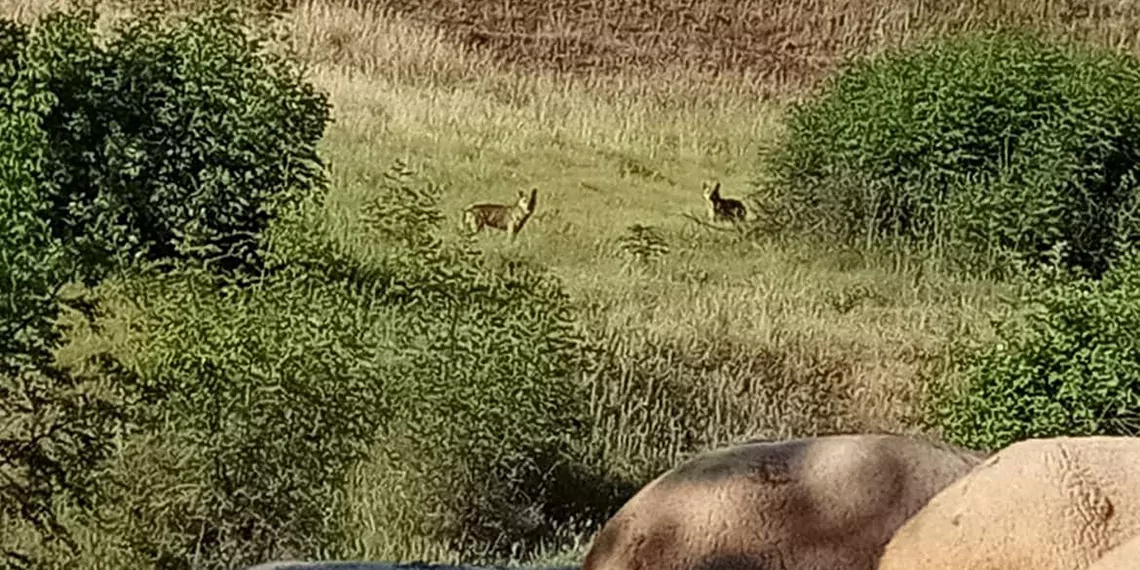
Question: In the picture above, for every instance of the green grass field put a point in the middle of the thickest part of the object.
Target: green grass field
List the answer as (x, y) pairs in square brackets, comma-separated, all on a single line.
[(720, 339), (604, 156), (768, 339)]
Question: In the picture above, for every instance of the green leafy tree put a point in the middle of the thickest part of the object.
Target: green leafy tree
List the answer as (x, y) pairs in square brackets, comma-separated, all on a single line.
[(52, 429), (178, 137), (164, 139)]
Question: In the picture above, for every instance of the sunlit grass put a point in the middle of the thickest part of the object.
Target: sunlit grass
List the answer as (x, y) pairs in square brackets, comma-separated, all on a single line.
[(718, 340)]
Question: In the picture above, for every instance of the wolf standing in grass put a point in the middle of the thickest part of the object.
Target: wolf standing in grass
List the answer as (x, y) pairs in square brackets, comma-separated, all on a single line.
[(722, 209), (509, 218)]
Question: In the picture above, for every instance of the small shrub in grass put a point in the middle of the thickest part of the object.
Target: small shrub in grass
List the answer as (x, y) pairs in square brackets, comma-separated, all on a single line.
[(986, 145), (642, 245), (260, 399), (1067, 363), (486, 398)]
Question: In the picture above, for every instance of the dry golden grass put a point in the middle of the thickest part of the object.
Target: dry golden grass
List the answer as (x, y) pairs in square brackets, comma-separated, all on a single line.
[(28, 11), (785, 45)]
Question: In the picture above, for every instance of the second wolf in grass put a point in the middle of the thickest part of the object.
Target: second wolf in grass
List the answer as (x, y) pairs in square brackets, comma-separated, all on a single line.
[(509, 218), (722, 209)]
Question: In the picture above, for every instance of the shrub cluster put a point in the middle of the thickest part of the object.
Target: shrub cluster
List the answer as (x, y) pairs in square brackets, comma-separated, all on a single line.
[(1066, 362), (160, 140), (484, 390), (985, 145), (174, 138)]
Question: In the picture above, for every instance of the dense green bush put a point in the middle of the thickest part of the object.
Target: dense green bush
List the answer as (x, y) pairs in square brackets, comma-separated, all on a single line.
[(53, 428), (260, 398), (985, 145), (161, 138), (172, 136), (347, 404), (485, 392), (1066, 362)]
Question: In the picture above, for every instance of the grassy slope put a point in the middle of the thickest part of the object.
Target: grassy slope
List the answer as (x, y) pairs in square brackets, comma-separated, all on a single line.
[(721, 339)]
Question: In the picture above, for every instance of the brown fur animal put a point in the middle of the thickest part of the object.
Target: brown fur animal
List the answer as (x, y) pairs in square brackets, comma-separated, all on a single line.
[(508, 218), (1123, 557), (1040, 504), (826, 503), (722, 209)]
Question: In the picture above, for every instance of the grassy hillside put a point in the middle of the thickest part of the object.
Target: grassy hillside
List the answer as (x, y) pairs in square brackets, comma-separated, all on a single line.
[(607, 155), (617, 112), (721, 338)]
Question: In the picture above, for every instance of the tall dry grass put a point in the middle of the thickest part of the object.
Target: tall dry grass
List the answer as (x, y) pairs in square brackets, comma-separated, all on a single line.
[(410, 72), (784, 45), (28, 11)]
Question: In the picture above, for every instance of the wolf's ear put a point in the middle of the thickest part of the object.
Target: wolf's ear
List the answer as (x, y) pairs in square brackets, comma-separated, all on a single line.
[(716, 188)]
